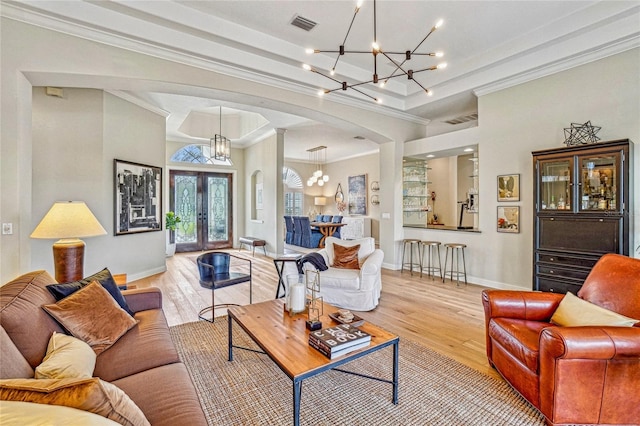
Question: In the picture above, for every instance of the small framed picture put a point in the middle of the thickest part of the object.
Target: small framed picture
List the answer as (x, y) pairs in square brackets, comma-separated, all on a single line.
[(358, 195), (509, 187), (259, 190), (508, 219)]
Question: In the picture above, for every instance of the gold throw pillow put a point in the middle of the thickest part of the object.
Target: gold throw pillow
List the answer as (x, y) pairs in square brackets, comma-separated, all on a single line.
[(92, 395), (93, 316), (346, 257)]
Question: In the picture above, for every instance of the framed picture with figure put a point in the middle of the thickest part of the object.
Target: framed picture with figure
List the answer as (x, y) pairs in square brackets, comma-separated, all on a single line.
[(138, 198), (509, 187), (358, 195)]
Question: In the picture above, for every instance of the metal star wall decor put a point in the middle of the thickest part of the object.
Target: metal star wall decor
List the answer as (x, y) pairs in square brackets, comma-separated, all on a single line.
[(580, 134)]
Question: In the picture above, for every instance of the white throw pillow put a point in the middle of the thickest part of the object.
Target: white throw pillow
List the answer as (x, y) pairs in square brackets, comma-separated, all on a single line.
[(67, 357)]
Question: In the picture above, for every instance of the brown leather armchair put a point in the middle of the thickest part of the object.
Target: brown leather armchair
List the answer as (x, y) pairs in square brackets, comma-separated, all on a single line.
[(573, 375)]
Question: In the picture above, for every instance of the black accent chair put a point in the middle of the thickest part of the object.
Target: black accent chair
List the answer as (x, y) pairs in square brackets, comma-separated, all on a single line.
[(214, 273)]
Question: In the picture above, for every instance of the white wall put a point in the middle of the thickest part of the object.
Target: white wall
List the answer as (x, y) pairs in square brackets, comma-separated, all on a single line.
[(528, 117), (75, 140)]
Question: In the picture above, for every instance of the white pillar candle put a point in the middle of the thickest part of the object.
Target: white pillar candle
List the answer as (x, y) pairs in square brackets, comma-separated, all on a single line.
[(297, 295)]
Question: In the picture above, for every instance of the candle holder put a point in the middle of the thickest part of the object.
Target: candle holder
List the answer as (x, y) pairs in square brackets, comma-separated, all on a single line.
[(314, 302), (296, 294)]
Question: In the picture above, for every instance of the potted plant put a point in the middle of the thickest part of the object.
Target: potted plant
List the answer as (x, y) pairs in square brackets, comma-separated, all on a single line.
[(171, 222)]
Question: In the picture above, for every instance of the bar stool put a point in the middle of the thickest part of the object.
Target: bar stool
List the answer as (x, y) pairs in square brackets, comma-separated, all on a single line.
[(456, 249), (430, 247), (412, 243)]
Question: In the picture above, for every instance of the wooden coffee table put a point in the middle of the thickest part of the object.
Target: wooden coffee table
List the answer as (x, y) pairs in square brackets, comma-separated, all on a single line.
[(285, 339)]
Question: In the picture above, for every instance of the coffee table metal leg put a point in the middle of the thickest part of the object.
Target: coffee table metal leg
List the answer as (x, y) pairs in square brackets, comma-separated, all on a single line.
[(297, 393), (395, 372), (230, 339)]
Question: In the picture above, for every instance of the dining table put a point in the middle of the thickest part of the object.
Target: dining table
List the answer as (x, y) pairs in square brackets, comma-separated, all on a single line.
[(326, 229)]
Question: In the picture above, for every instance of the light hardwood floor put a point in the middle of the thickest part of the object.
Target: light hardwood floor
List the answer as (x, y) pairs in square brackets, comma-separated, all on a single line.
[(442, 316)]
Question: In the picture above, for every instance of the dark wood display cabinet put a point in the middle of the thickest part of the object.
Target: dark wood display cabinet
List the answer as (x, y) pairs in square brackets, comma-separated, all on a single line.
[(582, 209)]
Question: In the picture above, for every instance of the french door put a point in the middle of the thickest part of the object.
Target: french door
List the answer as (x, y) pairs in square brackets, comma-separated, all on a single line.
[(203, 202)]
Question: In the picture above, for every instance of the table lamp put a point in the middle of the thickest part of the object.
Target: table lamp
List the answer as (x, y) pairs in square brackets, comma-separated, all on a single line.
[(69, 221)]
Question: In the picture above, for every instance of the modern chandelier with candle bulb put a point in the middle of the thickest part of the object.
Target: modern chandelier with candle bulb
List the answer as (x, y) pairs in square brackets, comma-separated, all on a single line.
[(397, 59), (318, 156)]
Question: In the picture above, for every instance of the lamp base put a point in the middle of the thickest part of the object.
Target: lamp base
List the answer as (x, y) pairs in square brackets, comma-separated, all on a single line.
[(68, 259)]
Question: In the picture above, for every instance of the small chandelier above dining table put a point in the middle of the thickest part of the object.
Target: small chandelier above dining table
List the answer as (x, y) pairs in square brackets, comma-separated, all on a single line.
[(318, 156)]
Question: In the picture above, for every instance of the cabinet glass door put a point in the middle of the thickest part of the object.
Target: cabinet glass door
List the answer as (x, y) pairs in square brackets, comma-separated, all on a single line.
[(555, 185), (599, 184)]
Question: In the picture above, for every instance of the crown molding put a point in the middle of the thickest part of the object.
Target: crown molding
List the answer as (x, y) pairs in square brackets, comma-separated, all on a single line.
[(601, 52), (136, 101)]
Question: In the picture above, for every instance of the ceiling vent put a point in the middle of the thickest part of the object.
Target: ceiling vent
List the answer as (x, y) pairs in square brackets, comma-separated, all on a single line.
[(462, 119), (304, 23)]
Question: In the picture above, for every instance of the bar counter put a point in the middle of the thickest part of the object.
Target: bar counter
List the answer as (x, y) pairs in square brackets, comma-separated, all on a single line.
[(441, 228)]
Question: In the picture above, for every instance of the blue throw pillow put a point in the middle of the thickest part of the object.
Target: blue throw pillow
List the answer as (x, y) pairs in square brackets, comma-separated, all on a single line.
[(104, 277)]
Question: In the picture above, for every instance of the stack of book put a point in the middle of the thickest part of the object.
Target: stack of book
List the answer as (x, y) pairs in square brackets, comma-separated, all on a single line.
[(339, 340)]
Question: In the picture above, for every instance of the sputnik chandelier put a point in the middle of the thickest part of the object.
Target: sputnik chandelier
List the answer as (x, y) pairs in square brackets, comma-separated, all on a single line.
[(316, 156), (376, 49)]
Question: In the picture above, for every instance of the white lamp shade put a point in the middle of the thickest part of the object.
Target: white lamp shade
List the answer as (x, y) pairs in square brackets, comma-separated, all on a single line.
[(325, 178), (320, 201), (68, 219)]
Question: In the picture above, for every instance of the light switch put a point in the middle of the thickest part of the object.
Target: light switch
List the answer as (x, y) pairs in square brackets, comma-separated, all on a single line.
[(386, 215), (7, 228)]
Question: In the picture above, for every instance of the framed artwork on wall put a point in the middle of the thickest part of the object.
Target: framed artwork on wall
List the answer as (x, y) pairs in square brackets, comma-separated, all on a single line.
[(509, 187), (259, 189), (358, 195), (138, 198), (509, 219)]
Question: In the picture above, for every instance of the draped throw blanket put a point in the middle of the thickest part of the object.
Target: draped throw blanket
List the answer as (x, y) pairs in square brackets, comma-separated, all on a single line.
[(315, 259)]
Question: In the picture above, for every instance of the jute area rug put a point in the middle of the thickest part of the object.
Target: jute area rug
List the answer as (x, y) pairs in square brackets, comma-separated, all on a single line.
[(433, 390)]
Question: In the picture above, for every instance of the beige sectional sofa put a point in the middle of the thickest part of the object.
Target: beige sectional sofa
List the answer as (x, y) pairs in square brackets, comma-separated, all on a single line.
[(143, 362)]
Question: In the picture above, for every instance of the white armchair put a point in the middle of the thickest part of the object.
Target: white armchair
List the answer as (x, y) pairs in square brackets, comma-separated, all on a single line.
[(354, 289)]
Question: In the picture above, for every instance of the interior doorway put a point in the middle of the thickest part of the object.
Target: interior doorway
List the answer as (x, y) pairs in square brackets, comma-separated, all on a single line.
[(203, 202)]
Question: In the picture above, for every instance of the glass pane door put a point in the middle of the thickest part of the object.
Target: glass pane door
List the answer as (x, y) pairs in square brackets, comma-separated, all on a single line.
[(218, 212), (203, 202), (555, 185), (185, 204), (599, 182)]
